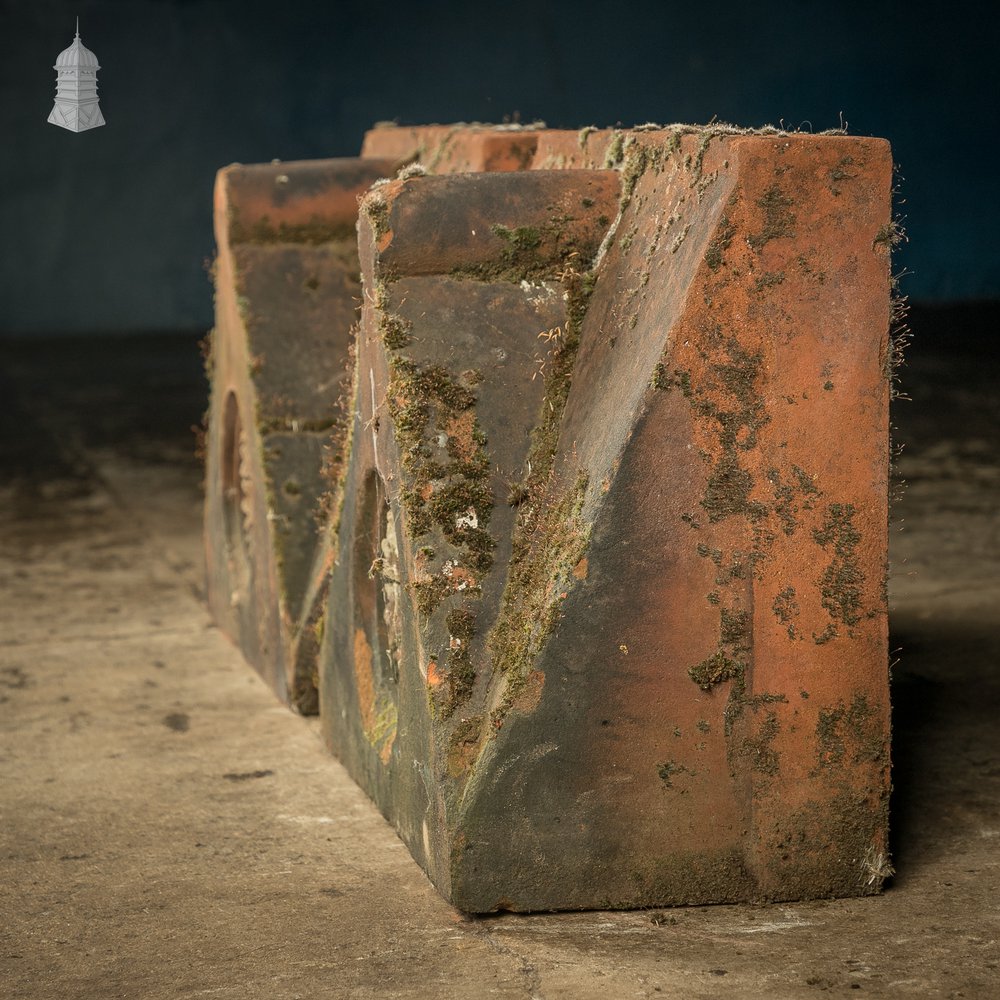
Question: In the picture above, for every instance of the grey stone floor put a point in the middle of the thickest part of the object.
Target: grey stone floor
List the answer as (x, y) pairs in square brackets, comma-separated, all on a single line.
[(168, 830)]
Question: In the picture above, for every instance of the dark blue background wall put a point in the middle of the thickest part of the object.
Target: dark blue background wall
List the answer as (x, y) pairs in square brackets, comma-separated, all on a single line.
[(110, 229)]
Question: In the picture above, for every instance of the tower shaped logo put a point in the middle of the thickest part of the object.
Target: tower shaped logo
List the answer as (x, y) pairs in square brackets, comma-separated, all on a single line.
[(76, 106)]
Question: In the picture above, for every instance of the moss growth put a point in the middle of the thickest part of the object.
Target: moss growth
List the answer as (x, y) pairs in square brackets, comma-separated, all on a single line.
[(680, 238), (852, 758), (786, 609), (626, 239), (699, 156), (206, 348), (778, 217), (395, 331), (715, 669), (528, 253), (413, 391), (728, 489), (550, 537), (728, 662), (278, 424), (584, 134), (840, 584), (784, 503), (558, 378), (541, 567), (841, 173), (705, 552), (461, 623), (449, 494), (830, 632), (429, 592), (517, 495), (375, 207), (857, 724), (637, 159), (732, 401), (755, 746), (790, 498), (757, 750), (888, 237), (669, 769), (519, 239), (338, 446), (735, 629), (615, 151), (769, 279), (807, 486), (462, 745), (433, 158), (719, 244)]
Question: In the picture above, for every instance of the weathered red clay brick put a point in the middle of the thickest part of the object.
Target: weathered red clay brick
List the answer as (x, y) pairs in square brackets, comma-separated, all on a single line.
[(727, 646), (673, 686), (681, 694), (587, 149), (469, 223), (455, 148), (452, 370), (286, 295)]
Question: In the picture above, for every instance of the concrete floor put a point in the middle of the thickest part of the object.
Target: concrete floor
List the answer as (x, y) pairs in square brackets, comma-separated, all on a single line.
[(168, 830)]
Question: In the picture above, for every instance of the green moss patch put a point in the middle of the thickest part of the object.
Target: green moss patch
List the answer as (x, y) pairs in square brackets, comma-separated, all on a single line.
[(461, 624), (719, 244), (731, 400), (840, 584), (778, 217), (376, 209), (786, 610), (550, 537), (669, 770), (448, 493), (715, 669), (848, 735)]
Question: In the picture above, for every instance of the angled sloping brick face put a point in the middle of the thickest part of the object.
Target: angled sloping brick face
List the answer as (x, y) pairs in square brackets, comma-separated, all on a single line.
[(287, 294), (464, 326), (669, 683), (713, 722), (286, 279), (606, 622)]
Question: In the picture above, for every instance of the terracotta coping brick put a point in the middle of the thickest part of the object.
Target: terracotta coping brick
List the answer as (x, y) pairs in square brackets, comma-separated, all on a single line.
[(607, 625), (286, 292)]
